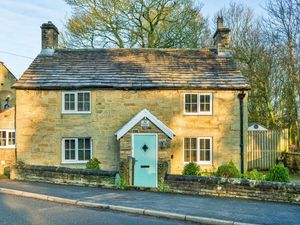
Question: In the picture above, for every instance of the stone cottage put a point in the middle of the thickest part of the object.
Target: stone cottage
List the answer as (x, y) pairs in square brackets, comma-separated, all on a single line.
[(7, 118), (133, 109)]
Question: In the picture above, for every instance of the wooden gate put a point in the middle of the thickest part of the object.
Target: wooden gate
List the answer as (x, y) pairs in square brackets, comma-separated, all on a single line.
[(264, 147)]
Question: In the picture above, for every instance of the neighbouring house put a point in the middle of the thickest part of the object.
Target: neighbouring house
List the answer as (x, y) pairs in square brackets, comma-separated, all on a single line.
[(7, 118), (133, 109)]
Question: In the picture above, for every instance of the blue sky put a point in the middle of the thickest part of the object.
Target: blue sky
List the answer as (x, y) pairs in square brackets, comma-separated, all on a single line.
[(20, 22)]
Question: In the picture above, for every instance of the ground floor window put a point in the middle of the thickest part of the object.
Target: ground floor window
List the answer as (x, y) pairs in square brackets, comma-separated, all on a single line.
[(7, 138), (76, 150), (198, 149)]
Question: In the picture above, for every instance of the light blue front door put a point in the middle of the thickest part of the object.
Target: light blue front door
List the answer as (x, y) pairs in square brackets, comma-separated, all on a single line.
[(145, 154)]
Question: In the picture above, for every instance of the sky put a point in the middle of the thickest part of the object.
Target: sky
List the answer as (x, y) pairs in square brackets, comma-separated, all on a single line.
[(20, 22)]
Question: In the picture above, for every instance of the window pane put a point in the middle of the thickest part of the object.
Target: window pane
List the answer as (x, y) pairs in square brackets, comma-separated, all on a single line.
[(187, 108), (87, 97), (201, 155), (2, 138), (87, 144), (187, 156), (207, 98), (207, 144), (73, 154), (201, 143), (86, 106), (194, 156), (80, 155), (87, 155), (67, 155), (80, 97), (202, 98), (193, 143), (80, 144), (207, 155), (186, 143)]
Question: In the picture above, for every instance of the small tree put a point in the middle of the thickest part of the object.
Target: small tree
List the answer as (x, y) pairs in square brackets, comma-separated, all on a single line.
[(279, 173), (228, 171), (191, 169), (93, 163)]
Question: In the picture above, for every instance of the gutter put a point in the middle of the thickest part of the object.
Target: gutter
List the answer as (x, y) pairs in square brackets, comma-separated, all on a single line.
[(241, 97)]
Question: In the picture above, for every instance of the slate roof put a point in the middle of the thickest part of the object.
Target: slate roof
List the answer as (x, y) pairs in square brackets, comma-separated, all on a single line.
[(132, 69)]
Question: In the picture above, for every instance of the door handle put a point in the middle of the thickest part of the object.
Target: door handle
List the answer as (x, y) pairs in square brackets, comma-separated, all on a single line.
[(145, 166)]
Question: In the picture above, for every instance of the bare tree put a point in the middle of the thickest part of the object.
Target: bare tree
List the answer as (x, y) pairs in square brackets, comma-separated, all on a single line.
[(136, 23), (282, 27)]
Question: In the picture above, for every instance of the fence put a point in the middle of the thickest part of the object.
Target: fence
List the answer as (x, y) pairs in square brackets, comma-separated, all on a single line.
[(264, 148)]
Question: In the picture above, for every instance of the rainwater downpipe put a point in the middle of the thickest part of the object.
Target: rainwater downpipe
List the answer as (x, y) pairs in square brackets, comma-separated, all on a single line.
[(241, 97)]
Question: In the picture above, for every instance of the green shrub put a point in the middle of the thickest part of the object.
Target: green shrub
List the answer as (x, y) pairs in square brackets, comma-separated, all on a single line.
[(191, 169), (93, 163), (278, 173), (254, 175), (228, 171)]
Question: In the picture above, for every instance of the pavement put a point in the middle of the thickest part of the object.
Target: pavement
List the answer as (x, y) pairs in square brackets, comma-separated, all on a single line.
[(206, 210)]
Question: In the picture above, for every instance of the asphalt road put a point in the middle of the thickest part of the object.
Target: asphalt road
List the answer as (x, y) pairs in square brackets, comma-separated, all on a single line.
[(23, 211), (247, 211)]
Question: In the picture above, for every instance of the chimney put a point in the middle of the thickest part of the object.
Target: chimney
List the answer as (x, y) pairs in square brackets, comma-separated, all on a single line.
[(221, 38), (49, 38)]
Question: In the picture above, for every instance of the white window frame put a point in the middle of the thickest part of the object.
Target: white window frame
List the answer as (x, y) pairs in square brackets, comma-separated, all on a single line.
[(200, 162), (7, 138), (75, 111), (210, 112), (76, 151)]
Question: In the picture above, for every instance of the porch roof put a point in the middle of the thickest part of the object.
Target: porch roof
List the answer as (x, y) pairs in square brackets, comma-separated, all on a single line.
[(138, 117)]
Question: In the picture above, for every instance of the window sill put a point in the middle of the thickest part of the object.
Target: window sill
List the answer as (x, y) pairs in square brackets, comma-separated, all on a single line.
[(7, 147), (76, 113), (74, 162), (198, 114), (200, 163)]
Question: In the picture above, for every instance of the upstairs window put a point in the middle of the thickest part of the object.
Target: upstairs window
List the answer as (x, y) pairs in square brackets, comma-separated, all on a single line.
[(198, 104), (76, 102), (7, 139)]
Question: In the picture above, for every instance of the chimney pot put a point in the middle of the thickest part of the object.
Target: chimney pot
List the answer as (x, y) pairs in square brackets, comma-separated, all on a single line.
[(220, 22), (49, 37)]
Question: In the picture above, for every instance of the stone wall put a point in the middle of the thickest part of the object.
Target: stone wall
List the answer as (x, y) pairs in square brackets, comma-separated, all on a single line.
[(63, 175), (234, 188), (41, 125), (292, 161)]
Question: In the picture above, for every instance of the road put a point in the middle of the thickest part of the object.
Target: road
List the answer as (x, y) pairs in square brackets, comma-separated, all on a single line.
[(23, 211), (246, 211)]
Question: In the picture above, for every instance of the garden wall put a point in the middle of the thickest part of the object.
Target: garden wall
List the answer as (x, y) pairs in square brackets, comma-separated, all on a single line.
[(63, 175), (233, 187)]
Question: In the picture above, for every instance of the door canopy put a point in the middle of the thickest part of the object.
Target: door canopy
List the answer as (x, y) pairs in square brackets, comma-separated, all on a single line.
[(142, 115)]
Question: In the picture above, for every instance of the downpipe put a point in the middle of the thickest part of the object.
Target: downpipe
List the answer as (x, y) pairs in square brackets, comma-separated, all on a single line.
[(241, 97)]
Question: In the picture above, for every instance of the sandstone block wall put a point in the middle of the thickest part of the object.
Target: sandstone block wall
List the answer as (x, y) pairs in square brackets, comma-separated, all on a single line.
[(63, 175), (41, 125), (234, 188)]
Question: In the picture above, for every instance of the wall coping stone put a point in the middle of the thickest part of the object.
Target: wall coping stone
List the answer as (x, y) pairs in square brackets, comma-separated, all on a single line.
[(69, 170)]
